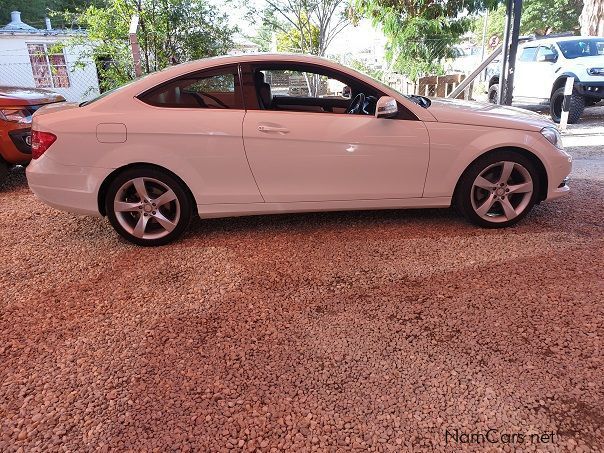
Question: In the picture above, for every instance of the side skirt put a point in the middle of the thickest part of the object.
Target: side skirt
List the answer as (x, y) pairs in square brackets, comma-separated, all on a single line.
[(209, 211)]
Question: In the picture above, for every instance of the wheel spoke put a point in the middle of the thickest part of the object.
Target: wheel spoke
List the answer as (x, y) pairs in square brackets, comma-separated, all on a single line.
[(164, 198), (141, 190), (141, 225), (506, 172), (508, 209), (164, 222), (522, 188), (486, 205), (122, 206), (483, 183)]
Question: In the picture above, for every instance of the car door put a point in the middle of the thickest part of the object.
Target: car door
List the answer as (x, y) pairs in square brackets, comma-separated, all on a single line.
[(544, 71), (197, 127), (524, 80), (313, 156)]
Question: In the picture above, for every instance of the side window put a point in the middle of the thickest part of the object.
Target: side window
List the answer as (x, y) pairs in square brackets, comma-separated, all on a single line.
[(293, 83), (215, 90), (545, 50), (528, 54)]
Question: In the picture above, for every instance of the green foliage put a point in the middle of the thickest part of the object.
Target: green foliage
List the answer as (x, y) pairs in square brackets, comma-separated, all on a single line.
[(306, 26), (539, 17), (360, 66), (170, 32), (34, 11), (420, 33), (289, 39)]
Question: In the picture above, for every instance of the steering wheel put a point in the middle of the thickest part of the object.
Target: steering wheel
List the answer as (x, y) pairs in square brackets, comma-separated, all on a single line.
[(356, 105)]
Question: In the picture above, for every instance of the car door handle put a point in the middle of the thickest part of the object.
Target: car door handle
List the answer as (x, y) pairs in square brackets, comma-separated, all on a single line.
[(282, 130)]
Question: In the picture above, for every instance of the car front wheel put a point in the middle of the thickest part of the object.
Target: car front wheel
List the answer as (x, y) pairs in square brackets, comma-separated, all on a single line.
[(147, 206), (575, 110), (498, 190)]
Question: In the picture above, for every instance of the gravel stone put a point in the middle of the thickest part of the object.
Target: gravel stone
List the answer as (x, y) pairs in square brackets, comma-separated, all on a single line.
[(365, 331)]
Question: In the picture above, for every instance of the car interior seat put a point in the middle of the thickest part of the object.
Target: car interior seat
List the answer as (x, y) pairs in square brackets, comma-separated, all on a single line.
[(265, 97)]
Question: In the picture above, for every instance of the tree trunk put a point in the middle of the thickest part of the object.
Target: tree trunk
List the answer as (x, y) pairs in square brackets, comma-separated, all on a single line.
[(592, 18)]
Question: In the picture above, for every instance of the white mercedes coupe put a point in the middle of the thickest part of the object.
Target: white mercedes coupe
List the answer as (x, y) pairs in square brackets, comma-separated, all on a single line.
[(259, 134)]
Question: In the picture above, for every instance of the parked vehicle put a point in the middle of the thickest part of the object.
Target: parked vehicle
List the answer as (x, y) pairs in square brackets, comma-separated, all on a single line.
[(16, 108), (210, 138), (542, 67)]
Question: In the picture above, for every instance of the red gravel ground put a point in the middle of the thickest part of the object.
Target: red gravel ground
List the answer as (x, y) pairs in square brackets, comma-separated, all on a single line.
[(374, 331)]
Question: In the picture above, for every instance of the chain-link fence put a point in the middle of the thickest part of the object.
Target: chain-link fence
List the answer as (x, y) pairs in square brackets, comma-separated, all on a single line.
[(79, 80), (76, 81)]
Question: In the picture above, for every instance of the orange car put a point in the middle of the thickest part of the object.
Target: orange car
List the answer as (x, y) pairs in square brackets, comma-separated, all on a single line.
[(16, 108)]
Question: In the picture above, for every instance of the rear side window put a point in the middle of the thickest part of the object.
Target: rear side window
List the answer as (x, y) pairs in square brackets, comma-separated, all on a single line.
[(528, 54), (218, 89)]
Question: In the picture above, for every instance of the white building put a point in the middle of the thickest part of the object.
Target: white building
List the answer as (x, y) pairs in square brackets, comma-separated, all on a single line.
[(42, 58)]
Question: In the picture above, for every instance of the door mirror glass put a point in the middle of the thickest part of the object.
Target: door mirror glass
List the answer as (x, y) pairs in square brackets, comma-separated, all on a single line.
[(386, 107), (346, 92)]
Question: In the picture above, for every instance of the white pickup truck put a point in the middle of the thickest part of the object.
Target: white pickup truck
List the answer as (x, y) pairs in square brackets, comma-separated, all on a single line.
[(542, 67)]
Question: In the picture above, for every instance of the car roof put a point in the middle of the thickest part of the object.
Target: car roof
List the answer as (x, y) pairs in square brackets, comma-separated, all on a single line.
[(538, 41)]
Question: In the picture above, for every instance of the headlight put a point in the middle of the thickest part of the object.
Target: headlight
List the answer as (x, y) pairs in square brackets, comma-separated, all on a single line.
[(15, 115), (595, 71), (553, 136)]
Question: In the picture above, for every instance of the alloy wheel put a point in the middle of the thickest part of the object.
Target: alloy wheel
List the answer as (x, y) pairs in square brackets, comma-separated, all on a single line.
[(502, 191), (147, 208)]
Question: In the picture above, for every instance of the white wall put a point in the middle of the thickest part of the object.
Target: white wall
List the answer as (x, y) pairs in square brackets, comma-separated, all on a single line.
[(15, 66)]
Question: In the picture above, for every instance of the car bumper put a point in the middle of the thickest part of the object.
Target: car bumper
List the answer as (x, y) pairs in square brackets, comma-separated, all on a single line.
[(558, 173), (66, 187), (590, 89), (14, 148)]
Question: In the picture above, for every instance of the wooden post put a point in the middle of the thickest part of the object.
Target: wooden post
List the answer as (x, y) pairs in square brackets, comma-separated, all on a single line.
[(136, 51)]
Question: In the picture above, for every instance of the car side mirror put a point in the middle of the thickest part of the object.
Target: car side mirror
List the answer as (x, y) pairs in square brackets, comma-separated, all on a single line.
[(386, 107), (548, 57)]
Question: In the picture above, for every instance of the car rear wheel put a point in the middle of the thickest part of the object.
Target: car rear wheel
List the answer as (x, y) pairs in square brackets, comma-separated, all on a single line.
[(498, 190), (147, 206), (494, 93)]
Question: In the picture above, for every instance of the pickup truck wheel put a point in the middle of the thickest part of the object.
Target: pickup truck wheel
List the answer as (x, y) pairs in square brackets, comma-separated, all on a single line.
[(577, 105), (3, 171), (494, 93)]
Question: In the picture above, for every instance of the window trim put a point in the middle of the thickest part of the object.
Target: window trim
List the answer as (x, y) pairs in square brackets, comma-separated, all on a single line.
[(200, 73)]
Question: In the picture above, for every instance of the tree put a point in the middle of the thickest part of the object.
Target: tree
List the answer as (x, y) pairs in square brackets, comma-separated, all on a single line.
[(34, 11), (539, 17), (420, 33), (170, 32), (293, 41), (592, 18), (312, 24)]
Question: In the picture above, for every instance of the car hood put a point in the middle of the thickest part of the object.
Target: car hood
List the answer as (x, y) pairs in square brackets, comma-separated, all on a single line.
[(490, 115), (590, 61), (27, 96)]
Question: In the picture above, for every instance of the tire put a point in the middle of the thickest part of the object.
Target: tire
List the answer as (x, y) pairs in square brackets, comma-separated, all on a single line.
[(490, 200), (494, 93), (3, 171), (148, 207), (577, 105)]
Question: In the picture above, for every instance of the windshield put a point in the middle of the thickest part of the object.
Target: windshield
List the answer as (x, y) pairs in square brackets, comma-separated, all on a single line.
[(587, 47)]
